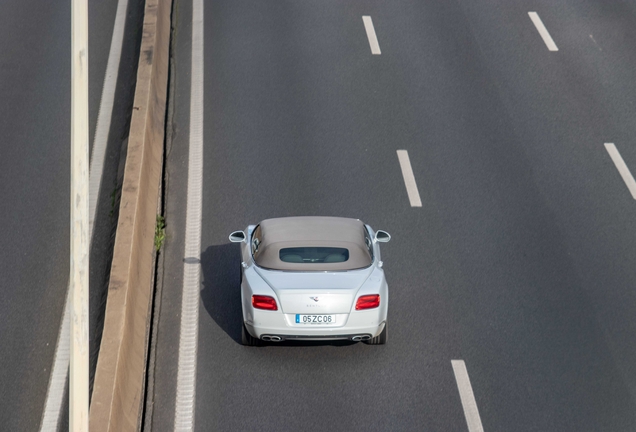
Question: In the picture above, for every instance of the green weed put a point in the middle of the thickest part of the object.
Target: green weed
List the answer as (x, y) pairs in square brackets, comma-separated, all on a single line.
[(160, 232)]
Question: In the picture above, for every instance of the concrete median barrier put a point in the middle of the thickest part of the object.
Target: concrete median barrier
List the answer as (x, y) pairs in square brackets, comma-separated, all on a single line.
[(117, 397)]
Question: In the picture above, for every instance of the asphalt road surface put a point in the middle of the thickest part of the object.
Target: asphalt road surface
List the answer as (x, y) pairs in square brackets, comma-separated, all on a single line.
[(519, 261), (35, 107)]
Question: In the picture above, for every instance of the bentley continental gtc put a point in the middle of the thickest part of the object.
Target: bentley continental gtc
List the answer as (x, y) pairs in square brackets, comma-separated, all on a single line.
[(312, 278)]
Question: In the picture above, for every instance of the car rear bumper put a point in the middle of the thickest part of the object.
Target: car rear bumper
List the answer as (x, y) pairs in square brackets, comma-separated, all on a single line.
[(273, 326), (276, 337)]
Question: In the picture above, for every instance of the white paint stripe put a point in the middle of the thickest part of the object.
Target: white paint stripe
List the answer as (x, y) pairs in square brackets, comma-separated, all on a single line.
[(622, 168), (409, 178), (59, 371), (543, 31), (105, 115), (373, 39), (188, 340), (468, 398)]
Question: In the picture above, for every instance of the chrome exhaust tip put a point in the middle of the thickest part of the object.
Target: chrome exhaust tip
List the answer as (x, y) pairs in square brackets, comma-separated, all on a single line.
[(269, 338), (266, 338), (358, 338)]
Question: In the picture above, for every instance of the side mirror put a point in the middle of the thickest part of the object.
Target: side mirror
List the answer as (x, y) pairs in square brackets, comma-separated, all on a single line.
[(237, 237), (382, 236)]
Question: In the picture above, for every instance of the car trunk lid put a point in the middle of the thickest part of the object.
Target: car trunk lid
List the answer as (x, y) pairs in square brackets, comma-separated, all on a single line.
[(316, 293)]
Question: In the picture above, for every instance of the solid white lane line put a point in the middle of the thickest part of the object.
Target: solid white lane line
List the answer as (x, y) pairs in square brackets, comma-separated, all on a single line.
[(622, 168), (409, 178), (373, 39), (468, 398), (105, 115), (543, 31), (188, 340), (59, 371)]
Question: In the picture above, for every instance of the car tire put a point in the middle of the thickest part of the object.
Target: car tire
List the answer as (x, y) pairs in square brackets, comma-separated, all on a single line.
[(248, 340), (380, 339)]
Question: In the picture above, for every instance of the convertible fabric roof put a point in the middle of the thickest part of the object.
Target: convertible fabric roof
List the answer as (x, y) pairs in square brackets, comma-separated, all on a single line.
[(311, 231)]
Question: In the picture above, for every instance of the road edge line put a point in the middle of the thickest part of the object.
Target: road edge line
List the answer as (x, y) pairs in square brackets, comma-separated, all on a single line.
[(188, 333), (59, 371)]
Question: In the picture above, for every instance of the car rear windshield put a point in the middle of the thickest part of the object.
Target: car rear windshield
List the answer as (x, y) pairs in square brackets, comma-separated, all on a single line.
[(318, 255)]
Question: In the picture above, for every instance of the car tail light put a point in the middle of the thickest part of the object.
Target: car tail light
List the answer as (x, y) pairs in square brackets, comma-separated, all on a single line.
[(368, 302), (264, 302)]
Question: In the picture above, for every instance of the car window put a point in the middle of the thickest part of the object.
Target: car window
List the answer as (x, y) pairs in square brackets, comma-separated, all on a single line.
[(256, 241), (311, 255), (369, 242)]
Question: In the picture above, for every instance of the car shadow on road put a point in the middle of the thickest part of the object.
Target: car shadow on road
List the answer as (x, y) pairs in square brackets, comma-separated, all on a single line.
[(221, 293)]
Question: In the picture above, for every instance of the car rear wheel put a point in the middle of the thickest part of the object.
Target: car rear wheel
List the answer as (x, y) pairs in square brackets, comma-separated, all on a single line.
[(248, 340), (380, 339)]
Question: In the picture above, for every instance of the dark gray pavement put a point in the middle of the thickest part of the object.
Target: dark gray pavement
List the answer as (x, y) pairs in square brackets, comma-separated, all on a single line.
[(520, 261), (35, 74)]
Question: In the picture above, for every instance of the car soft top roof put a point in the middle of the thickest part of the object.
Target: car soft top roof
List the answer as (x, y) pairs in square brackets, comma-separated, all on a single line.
[(312, 231)]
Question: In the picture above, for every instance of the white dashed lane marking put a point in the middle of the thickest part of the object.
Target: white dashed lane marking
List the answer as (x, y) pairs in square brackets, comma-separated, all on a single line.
[(409, 178), (622, 168), (373, 39), (468, 398), (543, 31)]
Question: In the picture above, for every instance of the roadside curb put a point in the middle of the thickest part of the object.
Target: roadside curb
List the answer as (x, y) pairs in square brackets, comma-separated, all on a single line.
[(117, 398)]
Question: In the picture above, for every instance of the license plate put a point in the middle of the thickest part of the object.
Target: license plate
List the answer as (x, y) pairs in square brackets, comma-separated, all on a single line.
[(315, 319)]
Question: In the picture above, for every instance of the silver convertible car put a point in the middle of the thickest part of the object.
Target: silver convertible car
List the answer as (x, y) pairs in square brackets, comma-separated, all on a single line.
[(312, 278)]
